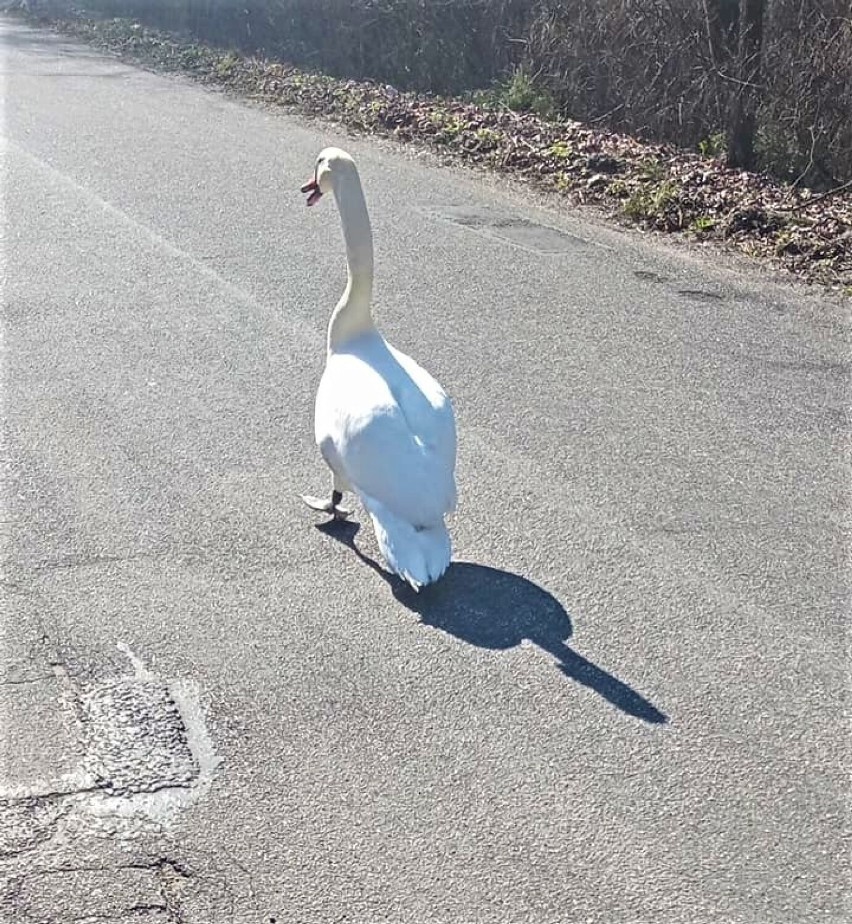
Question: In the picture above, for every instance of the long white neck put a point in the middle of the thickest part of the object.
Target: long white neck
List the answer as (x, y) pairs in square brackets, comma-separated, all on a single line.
[(352, 315)]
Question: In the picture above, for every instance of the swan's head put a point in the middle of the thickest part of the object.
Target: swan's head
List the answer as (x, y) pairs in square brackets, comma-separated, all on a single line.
[(332, 164)]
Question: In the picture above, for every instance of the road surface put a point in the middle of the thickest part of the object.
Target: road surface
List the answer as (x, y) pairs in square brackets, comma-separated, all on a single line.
[(625, 703)]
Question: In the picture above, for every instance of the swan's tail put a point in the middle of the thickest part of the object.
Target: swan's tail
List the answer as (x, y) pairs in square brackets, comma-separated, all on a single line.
[(419, 555)]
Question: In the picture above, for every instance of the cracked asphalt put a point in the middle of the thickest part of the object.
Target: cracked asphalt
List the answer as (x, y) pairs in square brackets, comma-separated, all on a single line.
[(625, 702)]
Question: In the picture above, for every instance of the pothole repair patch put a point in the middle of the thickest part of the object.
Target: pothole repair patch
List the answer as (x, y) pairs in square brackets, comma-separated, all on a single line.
[(136, 739), (146, 756), (516, 230), (147, 748)]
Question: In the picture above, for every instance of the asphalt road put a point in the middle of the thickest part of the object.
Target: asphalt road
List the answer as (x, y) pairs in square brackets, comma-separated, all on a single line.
[(625, 703)]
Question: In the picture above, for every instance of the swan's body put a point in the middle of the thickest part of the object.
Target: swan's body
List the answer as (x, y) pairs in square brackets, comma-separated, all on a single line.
[(384, 426)]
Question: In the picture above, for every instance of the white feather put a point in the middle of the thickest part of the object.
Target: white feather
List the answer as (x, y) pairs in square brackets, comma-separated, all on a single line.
[(383, 424)]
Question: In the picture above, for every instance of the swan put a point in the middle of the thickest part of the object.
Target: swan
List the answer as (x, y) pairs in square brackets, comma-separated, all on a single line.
[(384, 426)]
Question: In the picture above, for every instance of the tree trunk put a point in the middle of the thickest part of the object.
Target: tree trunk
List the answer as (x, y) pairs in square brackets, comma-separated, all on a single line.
[(742, 118), (721, 21), (721, 18)]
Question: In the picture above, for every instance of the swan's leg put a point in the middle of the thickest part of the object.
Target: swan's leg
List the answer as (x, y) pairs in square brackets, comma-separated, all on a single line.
[(340, 513), (330, 505)]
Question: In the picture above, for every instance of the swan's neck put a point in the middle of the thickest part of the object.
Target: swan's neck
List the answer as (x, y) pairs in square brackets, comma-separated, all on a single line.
[(352, 316)]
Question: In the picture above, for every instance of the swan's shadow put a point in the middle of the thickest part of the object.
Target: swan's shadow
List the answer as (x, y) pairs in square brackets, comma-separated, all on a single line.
[(496, 609)]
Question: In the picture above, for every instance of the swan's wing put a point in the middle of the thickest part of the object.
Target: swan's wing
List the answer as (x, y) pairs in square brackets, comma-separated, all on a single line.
[(433, 420), (383, 460), (394, 442)]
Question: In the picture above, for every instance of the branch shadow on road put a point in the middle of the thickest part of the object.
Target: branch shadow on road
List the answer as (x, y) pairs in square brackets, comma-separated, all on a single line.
[(495, 609)]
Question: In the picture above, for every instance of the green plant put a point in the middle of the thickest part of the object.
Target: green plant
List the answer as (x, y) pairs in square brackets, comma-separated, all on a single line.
[(618, 189), (652, 205), (787, 243), (226, 64), (487, 137), (637, 205), (779, 152), (448, 126), (563, 182), (702, 224), (561, 149), (652, 171), (713, 146), (483, 99), (521, 94)]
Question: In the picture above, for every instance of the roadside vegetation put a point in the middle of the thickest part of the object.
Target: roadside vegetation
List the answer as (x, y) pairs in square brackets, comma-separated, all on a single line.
[(652, 110)]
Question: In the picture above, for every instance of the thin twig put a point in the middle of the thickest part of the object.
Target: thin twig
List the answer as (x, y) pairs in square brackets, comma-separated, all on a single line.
[(805, 172), (742, 83), (825, 195), (606, 115)]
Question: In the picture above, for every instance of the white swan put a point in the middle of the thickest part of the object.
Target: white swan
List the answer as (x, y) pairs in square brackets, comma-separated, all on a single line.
[(384, 426)]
